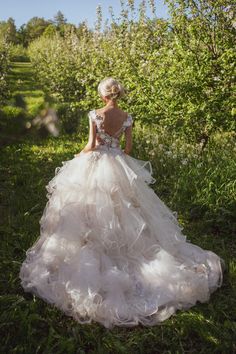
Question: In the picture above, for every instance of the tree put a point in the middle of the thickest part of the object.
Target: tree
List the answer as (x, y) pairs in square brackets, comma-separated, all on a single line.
[(59, 19), (50, 31), (22, 35), (8, 30), (203, 51), (35, 28)]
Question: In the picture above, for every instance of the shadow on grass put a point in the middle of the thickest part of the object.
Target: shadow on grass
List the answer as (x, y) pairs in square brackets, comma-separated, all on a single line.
[(19, 101), (22, 77)]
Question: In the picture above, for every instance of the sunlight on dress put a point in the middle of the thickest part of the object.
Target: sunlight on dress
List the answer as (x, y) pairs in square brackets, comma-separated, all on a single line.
[(109, 249)]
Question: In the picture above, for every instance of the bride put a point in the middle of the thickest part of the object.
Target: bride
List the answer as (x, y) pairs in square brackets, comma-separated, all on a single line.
[(109, 249)]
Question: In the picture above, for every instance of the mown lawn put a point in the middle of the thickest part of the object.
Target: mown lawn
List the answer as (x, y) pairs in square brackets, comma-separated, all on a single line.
[(29, 325)]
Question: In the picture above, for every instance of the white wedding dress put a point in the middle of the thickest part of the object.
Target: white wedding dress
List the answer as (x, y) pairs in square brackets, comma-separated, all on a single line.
[(109, 249)]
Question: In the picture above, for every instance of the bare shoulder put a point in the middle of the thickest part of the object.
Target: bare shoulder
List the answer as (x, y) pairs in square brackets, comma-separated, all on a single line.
[(99, 110), (109, 112)]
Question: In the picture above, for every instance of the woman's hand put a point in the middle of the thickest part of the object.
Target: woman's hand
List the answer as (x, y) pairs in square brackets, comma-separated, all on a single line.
[(86, 149), (77, 155)]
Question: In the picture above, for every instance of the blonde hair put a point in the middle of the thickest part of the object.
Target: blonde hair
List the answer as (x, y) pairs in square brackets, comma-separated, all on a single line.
[(111, 88)]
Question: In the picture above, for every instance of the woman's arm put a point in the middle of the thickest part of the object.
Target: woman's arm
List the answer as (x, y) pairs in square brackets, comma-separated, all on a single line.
[(92, 138), (128, 139)]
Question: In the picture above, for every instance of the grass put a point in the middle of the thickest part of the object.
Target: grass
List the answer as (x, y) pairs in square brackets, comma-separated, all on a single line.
[(26, 101), (26, 91), (29, 325)]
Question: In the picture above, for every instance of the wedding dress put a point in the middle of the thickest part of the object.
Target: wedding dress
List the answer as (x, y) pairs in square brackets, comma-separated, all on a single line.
[(109, 249)]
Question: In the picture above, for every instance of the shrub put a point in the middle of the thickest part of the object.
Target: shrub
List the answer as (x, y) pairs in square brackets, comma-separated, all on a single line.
[(176, 72), (4, 68), (199, 184), (69, 117), (18, 53)]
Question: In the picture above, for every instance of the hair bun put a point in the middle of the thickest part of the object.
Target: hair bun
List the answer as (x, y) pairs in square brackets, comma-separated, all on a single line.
[(111, 88), (115, 89)]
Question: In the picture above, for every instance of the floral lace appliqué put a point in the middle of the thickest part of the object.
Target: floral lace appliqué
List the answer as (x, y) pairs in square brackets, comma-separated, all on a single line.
[(103, 138)]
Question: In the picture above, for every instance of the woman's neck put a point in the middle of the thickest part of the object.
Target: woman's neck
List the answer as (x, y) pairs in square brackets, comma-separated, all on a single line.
[(111, 104)]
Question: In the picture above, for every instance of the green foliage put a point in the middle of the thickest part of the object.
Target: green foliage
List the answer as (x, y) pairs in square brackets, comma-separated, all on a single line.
[(60, 58), (4, 69), (59, 19), (18, 53), (35, 27), (8, 31), (50, 31), (178, 73), (203, 52), (198, 183), (69, 117)]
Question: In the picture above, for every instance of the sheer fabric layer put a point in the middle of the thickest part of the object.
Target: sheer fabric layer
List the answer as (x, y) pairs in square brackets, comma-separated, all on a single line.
[(110, 250)]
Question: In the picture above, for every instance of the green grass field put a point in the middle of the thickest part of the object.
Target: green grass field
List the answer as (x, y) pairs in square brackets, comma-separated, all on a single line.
[(28, 324)]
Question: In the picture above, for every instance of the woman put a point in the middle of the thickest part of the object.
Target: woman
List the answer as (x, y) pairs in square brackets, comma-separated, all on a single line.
[(109, 249)]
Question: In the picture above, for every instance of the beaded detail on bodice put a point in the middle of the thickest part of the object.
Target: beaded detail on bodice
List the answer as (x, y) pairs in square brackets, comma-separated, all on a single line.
[(104, 138)]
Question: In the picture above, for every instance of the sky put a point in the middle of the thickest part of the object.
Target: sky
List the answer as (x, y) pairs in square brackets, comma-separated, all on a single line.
[(75, 11)]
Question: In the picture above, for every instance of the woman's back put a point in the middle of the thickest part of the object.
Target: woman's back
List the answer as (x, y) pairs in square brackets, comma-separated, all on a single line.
[(113, 119), (107, 127)]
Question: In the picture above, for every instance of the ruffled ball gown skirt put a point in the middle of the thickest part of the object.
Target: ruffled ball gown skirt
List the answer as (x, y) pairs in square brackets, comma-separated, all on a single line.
[(110, 250)]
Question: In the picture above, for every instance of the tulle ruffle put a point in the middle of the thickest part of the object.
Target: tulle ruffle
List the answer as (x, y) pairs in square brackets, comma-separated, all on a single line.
[(110, 250)]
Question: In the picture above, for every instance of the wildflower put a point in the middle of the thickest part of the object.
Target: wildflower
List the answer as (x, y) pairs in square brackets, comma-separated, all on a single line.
[(169, 153), (184, 161)]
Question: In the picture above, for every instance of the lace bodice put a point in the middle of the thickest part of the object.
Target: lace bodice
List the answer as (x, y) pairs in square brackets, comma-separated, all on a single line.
[(104, 138)]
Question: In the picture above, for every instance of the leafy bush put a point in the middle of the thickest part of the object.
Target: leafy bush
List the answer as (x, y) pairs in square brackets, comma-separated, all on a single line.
[(178, 73), (198, 183), (69, 117), (4, 68), (55, 64), (18, 53)]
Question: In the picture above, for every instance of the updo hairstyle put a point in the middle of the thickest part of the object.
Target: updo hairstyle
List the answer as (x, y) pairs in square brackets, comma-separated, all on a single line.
[(111, 88)]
